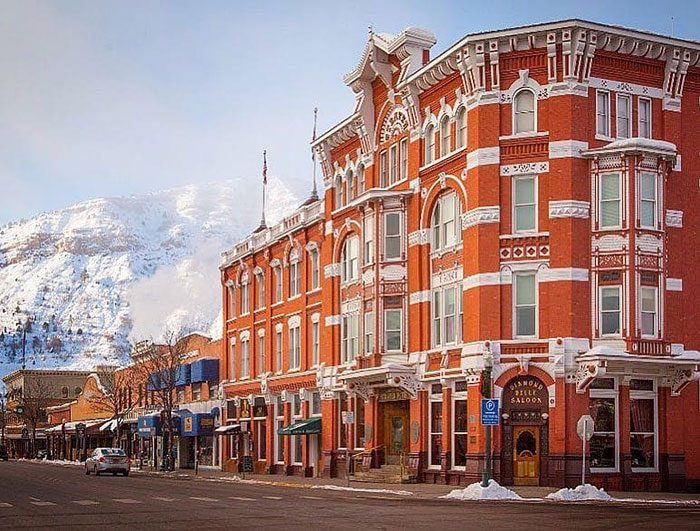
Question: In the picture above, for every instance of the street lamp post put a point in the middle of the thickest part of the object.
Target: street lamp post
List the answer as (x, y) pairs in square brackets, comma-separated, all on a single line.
[(3, 398), (486, 393)]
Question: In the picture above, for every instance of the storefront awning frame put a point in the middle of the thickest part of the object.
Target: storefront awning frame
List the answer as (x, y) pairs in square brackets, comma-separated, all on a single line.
[(308, 426)]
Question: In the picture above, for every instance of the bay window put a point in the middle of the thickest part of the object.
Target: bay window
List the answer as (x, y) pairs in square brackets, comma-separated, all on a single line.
[(525, 204), (610, 311), (393, 328), (349, 337), (623, 116), (643, 424), (369, 332), (610, 208), (392, 236), (647, 200), (525, 307), (649, 304), (602, 406)]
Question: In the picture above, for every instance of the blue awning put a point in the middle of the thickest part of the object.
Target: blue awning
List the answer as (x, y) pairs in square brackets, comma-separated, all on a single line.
[(204, 370), (192, 424)]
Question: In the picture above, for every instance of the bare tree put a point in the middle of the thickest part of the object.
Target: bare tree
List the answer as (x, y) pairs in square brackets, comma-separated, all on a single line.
[(115, 396), (159, 365), (34, 398)]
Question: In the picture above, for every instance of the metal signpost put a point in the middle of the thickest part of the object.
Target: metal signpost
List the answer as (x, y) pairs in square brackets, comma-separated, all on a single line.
[(80, 433), (348, 418), (489, 417), (584, 428)]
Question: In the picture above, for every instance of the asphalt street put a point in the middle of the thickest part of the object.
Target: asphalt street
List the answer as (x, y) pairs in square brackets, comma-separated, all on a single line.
[(34, 496)]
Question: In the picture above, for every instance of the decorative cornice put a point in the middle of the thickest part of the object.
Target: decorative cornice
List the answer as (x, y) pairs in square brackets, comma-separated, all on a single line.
[(481, 215), (483, 157), (419, 237), (569, 208), (524, 168), (419, 296), (562, 149), (332, 320)]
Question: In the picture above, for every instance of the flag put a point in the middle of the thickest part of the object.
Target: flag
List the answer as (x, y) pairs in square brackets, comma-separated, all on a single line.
[(264, 172)]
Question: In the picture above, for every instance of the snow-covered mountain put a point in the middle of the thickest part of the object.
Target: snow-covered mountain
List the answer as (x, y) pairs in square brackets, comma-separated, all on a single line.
[(84, 280)]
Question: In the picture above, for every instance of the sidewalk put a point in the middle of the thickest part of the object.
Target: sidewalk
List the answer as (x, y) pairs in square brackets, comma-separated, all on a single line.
[(417, 490)]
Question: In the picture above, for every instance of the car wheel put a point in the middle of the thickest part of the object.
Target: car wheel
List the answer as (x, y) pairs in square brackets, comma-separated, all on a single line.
[(126, 473), (114, 473), (87, 471), (97, 472)]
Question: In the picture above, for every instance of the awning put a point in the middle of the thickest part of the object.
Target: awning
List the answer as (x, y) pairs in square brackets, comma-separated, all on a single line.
[(110, 425), (228, 429), (304, 427)]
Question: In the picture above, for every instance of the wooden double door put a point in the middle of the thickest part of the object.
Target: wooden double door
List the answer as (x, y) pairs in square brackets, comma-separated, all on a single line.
[(396, 417), (526, 455)]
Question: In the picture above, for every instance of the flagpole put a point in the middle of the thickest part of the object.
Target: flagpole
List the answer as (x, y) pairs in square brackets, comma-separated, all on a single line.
[(314, 192), (263, 224)]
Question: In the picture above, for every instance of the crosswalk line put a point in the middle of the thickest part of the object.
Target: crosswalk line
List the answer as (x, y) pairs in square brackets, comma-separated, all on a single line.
[(273, 497), (125, 500), (42, 503), (3, 504), (86, 502), (163, 498), (203, 498), (241, 498)]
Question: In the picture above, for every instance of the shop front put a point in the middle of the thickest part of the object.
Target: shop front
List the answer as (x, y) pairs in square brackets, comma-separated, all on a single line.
[(197, 446)]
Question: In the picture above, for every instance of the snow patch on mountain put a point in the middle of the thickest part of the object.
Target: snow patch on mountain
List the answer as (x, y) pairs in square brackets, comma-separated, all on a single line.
[(85, 280)]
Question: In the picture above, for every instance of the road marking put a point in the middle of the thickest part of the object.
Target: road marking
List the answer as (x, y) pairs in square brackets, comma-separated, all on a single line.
[(241, 498), (312, 497), (163, 499), (125, 500), (203, 498), (273, 497), (86, 502), (5, 504), (42, 503), (33, 498)]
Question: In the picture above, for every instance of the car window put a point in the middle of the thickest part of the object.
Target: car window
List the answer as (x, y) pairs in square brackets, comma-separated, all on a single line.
[(113, 451)]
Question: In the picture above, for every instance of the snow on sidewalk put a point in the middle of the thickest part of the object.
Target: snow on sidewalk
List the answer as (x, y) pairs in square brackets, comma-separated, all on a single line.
[(358, 489), (585, 492), (476, 492), (59, 462)]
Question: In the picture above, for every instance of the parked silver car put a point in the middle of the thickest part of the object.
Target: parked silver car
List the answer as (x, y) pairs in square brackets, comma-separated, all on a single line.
[(112, 460)]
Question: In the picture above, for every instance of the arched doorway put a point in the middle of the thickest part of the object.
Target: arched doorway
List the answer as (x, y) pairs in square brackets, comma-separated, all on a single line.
[(524, 447)]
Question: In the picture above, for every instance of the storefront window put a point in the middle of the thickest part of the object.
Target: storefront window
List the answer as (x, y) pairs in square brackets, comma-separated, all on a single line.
[(343, 406), (261, 439), (315, 403), (359, 423), (435, 425), (296, 439), (460, 425), (642, 423), (602, 406), (279, 424)]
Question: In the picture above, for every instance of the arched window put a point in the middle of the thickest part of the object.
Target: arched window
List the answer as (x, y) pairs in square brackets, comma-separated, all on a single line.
[(352, 186), (445, 222), (349, 259), (294, 273), (338, 191), (77, 391), (64, 392), (461, 128), (524, 111), (429, 144), (360, 179), (445, 137)]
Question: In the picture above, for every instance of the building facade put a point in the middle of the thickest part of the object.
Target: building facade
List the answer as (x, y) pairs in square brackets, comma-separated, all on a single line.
[(523, 200)]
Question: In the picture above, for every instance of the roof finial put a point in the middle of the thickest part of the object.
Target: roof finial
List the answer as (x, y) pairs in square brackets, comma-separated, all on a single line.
[(314, 192), (370, 30)]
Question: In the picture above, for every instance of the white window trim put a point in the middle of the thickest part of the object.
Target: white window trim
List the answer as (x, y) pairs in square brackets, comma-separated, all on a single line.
[(620, 199), (618, 98), (434, 398), (518, 134), (514, 229), (537, 304), (429, 145), (461, 110), (456, 395), (401, 329), (655, 334), (399, 236), (655, 225), (279, 415), (615, 395), (651, 395), (600, 310), (640, 99), (607, 134)]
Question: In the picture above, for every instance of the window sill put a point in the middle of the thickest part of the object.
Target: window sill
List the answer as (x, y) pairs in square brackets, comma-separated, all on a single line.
[(314, 291), (533, 234), (604, 470), (604, 138), (518, 136), (278, 303), (296, 369), (260, 309), (644, 470), (294, 297)]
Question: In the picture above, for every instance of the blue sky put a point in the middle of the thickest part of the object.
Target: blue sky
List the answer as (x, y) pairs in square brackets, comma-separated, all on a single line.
[(101, 98)]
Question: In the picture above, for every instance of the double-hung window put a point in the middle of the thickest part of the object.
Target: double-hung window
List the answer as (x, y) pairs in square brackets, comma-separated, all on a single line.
[(393, 164), (429, 144), (315, 270), (294, 348), (445, 136), (461, 128), (368, 235), (623, 116), (360, 179), (644, 112), (393, 328), (610, 211), (392, 236), (245, 298), (649, 305), (610, 311), (602, 113), (403, 157), (315, 348), (278, 284), (647, 200), (232, 354), (245, 358), (436, 445), (261, 354), (369, 332), (445, 222), (643, 429), (350, 259), (260, 281), (437, 318), (278, 351), (525, 287), (350, 337), (525, 203), (524, 111), (232, 301), (294, 278), (602, 406), (382, 169), (338, 192)]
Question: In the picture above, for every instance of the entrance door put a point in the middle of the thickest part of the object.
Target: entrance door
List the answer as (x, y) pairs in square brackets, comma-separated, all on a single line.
[(314, 455), (396, 430), (526, 441)]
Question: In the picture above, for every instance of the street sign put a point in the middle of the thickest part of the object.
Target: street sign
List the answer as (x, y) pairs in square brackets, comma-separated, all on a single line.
[(20, 410), (584, 427), (348, 417), (80, 429), (489, 412)]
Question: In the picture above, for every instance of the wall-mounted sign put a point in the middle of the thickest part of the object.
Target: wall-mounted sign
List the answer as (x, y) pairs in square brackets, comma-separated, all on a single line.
[(393, 394), (260, 407), (245, 409), (525, 393), (188, 423), (206, 423)]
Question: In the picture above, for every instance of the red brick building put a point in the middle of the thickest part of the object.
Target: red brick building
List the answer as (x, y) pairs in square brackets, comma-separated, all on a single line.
[(517, 200)]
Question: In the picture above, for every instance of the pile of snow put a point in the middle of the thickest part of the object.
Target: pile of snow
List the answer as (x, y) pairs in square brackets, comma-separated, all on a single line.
[(585, 492), (356, 489), (476, 492)]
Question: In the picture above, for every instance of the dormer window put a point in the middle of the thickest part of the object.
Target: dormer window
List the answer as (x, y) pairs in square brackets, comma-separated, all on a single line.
[(524, 111)]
